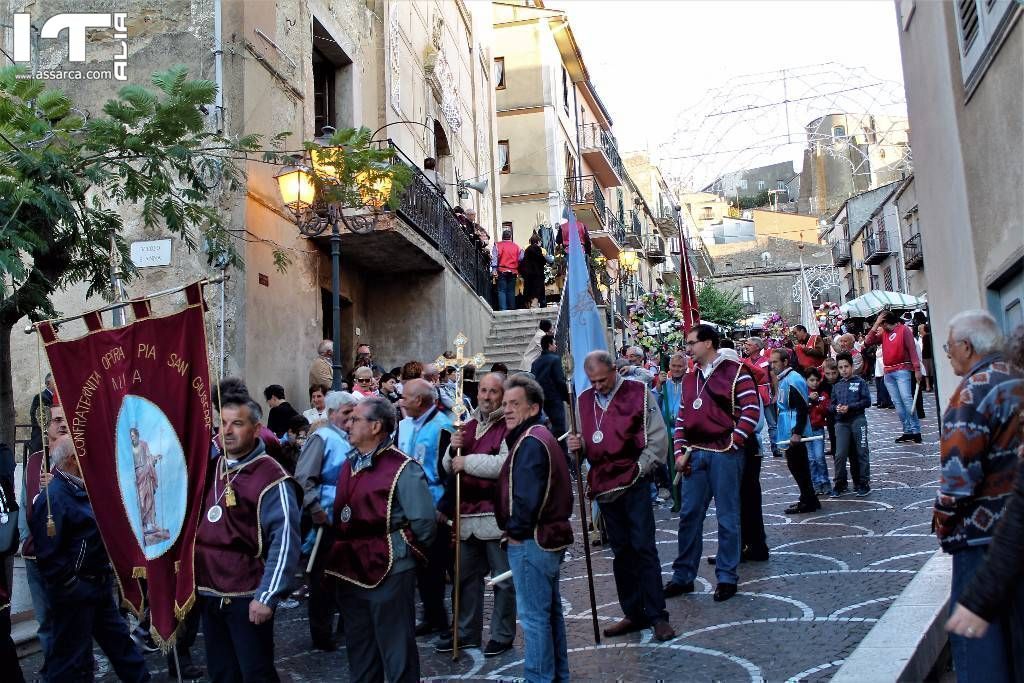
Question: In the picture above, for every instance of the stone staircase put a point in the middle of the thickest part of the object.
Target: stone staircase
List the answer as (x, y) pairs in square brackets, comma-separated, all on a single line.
[(511, 332)]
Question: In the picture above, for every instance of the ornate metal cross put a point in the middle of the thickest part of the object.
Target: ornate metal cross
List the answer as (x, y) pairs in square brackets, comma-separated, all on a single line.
[(459, 363)]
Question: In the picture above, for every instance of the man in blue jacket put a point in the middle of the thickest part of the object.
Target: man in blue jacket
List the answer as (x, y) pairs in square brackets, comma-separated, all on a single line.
[(850, 398), (79, 580), (548, 372)]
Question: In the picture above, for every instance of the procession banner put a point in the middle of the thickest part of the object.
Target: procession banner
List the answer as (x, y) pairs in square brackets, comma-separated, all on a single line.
[(138, 406), (807, 317), (586, 329)]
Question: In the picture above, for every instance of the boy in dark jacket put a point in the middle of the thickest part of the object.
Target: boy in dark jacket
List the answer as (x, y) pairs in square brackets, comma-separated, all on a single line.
[(818, 405), (850, 398)]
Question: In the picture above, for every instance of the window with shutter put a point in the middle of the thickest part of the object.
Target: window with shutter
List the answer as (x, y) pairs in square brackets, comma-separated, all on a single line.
[(980, 27)]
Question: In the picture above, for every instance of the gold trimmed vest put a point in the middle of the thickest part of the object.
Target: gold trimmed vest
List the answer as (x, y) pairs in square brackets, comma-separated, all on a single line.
[(623, 426), (710, 427), (553, 531), (229, 552), (478, 493), (362, 551), (34, 468)]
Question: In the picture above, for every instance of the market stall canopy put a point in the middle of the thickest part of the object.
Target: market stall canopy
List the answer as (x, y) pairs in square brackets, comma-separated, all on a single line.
[(876, 301)]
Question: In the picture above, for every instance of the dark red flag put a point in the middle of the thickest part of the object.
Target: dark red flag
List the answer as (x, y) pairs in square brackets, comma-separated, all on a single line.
[(687, 291), (137, 401)]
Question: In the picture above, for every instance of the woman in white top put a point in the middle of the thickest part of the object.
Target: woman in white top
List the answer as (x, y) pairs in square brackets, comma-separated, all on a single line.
[(316, 398)]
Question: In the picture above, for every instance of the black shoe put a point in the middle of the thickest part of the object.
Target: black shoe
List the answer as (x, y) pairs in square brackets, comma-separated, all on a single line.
[(916, 438), (903, 438), (445, 645), (326, 644), (672, 589), (754, 555), (801, 508), (494, 648), (711, 560), (863, 491), (425, 628), (724, 591), (189, 671)]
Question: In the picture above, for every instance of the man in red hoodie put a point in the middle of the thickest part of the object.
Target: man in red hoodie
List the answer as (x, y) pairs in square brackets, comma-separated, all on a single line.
[(899, 356)]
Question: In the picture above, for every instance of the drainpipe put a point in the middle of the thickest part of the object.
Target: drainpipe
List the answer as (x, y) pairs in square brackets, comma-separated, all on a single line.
[(218, 64)]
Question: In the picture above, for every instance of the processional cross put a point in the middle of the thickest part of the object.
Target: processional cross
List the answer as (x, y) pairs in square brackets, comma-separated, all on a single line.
[(460, 362)]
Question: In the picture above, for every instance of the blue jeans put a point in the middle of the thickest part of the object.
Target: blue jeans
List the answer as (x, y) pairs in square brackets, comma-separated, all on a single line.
[(718, 475), (816, 459), (506, 291), (977, 659), (42, 608), (898, 385), (772, 420), (539, 605)]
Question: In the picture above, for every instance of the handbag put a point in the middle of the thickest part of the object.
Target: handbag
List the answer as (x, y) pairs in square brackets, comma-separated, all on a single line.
[(8, 521)]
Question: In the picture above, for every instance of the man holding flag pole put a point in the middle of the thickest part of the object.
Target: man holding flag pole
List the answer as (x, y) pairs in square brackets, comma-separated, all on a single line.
[(625, 440)]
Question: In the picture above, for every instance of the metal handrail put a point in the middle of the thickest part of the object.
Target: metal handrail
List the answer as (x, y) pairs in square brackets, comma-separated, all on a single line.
[(585, 190), (593, 136), (912, 251)]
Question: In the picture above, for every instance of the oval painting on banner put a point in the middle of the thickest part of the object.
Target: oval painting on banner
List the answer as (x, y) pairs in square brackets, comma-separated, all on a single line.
[(152, 475)]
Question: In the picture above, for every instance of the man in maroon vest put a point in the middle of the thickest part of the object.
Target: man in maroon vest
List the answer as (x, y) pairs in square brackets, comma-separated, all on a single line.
[(533, 508), (482, 440), (247, 547), (718, 413), (624, 439), (384, 519)]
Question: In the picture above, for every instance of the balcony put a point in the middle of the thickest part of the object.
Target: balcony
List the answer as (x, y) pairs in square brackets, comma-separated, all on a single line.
[(634, 230), (851, 287), (913, 255), (877, 247), (597, 147), (611, 238), (654, 248), (405, 240), (841, 252), (585, 196)]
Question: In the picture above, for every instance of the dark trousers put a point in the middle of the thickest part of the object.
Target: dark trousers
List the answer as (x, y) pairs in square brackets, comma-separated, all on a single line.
[(430, 579), (9, 669), (629, 521), (322, 603), (380, 629), (796, 461), (477, 559), (84, 613), (555, 410), (186, 639), (237, 650), (882, 398), (830, 423), (752, 536)]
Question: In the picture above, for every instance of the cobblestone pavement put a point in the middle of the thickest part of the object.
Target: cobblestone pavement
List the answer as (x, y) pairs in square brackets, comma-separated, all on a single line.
[(831, 576)]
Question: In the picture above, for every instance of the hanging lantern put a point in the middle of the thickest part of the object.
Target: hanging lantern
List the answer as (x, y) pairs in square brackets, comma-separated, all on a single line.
[(296, 187)]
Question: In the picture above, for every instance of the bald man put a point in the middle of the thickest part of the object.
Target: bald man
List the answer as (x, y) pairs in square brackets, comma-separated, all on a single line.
[(424, 436)]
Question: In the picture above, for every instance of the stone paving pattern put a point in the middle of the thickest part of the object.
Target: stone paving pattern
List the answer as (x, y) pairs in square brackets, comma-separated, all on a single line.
[(830, 577)]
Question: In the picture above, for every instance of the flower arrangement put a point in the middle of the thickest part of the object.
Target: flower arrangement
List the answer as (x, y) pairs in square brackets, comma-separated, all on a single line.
[(830, 318), (656, 308), (775, 331)]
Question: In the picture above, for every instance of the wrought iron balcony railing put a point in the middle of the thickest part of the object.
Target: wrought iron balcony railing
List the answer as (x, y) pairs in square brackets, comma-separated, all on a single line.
[(427, 212), (593, 136), (585, 190), (614, 226), (877, 247), (913, 254), (841, 252)]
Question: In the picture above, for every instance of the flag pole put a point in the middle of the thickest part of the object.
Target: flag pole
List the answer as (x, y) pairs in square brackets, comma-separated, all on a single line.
[(581, 497)]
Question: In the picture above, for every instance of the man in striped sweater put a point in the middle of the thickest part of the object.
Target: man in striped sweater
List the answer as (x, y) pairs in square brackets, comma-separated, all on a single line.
[(718, 412)]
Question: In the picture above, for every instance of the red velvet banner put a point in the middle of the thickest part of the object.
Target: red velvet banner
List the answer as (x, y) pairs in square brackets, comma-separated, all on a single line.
[(137, 400)]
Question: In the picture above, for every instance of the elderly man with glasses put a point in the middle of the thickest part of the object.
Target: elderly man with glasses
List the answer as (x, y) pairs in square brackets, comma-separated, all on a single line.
[(981, 433)]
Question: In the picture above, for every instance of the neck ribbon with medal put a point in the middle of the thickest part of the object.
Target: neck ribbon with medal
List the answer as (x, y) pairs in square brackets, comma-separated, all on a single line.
[(214, 514)]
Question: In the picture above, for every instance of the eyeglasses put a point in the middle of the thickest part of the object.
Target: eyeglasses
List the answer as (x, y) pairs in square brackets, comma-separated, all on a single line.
[(364, 380), (694, 342), (945, 347), (357, 418)]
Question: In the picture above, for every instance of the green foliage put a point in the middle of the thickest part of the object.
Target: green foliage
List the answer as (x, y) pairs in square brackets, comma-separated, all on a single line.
[(65, 182), (755, 201), (719, 306)]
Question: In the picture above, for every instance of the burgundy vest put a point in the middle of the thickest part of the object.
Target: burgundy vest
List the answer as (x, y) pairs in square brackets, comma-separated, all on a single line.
[(229, 553), (34, 468), (613, 462), (361, 552), (553, 531), (710, 427), (478, 494)]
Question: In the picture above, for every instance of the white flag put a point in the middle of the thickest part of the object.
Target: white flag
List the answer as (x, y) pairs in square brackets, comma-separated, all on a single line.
[(807, 318)]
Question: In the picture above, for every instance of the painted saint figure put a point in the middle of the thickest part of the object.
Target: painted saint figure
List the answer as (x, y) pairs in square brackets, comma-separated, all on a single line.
[(146, 484)]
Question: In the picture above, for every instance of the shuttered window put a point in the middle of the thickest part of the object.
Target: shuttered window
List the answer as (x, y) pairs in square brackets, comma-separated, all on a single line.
[(980, 25)]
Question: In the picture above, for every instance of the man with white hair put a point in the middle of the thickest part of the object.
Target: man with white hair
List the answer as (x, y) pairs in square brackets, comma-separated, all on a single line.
[(845, 343), (322, 370), (636, 370), (78, 579), (317, 472), (981, 433)]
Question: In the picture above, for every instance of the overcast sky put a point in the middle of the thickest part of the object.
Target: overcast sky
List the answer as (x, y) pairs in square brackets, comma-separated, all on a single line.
[(662, 65)]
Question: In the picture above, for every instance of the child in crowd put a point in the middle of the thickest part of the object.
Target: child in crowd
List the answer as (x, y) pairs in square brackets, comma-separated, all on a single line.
[(850, 398), (292, 442), (831, 376), (818, 408)]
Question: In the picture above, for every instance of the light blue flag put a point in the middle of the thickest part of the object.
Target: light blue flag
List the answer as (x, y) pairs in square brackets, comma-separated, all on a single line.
[(586, 328)]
